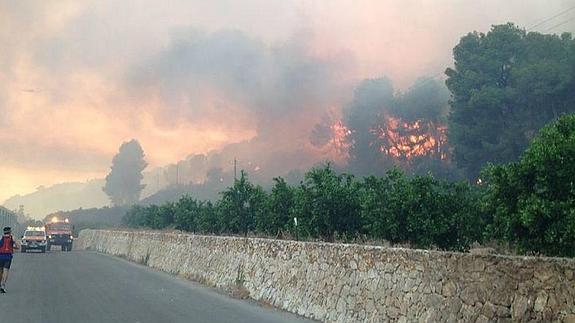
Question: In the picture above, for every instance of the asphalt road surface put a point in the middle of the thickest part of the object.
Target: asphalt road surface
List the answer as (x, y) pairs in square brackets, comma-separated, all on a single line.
[(89, 287)]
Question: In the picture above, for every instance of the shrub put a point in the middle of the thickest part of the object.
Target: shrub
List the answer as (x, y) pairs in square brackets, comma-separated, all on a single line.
[(533, 200)]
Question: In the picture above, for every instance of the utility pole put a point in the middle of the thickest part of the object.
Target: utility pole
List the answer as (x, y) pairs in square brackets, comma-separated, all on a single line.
[(235, 169), (177, 173)]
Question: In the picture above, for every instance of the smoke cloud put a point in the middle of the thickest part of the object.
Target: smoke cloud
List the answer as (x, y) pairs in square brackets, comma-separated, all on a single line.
[(279, 91), (208, 79)]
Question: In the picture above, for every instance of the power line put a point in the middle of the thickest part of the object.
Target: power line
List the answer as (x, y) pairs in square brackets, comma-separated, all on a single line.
[(559, 24), (551, 18)]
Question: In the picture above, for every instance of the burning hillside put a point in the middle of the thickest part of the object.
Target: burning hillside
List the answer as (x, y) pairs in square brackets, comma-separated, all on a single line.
[(380, 129), (395, 138)]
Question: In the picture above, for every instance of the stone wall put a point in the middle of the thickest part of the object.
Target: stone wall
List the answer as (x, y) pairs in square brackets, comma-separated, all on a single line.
[(353, 283)]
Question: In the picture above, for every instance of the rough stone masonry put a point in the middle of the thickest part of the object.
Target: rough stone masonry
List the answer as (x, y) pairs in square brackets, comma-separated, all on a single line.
[(357, 283)]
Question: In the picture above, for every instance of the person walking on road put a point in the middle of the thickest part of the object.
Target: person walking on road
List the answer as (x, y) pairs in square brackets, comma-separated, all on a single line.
[(7, 247)]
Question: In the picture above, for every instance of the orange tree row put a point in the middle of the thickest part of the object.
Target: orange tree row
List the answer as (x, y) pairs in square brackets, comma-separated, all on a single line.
[(529, 204), (420, 210)]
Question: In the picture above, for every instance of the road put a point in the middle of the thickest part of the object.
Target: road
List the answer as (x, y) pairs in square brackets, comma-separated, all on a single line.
[(86, 286)]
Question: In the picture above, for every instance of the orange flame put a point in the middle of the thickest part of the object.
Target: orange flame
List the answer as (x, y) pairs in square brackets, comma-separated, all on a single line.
[(396, 138), (404, 140), (340, 137)]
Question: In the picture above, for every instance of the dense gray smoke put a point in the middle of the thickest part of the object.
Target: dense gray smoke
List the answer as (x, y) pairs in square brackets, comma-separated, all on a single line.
[(201, 83), (379, 128), (283, 90)]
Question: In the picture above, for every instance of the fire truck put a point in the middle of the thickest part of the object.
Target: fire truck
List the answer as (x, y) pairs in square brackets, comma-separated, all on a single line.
[(60, 233)]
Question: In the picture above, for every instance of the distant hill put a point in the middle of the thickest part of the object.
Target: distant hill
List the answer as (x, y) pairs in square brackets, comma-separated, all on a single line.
[(75, 195), (64, 196)]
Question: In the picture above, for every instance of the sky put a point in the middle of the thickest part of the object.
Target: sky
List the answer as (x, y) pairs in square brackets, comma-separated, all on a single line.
[(78, 78)]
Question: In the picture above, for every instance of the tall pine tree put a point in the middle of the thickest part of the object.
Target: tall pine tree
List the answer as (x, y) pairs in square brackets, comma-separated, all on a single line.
[(124, 182)]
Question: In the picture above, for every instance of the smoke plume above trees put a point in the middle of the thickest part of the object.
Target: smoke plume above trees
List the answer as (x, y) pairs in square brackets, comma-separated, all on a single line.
[(249, 80), (280, 90)]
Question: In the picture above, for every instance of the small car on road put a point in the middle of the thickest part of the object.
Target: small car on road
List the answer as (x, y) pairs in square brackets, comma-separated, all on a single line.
[(34, 238)]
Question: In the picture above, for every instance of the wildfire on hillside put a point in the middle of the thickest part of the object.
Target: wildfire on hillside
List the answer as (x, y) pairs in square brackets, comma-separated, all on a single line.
[(396, 138)]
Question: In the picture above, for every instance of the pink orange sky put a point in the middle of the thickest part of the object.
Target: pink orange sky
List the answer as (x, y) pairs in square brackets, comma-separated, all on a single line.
[(68, 98)]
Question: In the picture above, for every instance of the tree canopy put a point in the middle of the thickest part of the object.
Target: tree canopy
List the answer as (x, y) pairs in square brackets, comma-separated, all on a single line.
[(364, 114), (533, 200), (506, 85), (124, 182), (398, 129), (328, 205)]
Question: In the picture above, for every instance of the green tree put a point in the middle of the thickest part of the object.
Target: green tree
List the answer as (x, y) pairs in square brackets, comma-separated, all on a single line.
[(124, 182), (420, 210), (427, 99), (133, 217), (533, 200), (505, 86), (442, 214), (240, 205), (328, 204), (186, 213), (277, 217), (162, 216), (208, 219), (381, 206)]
